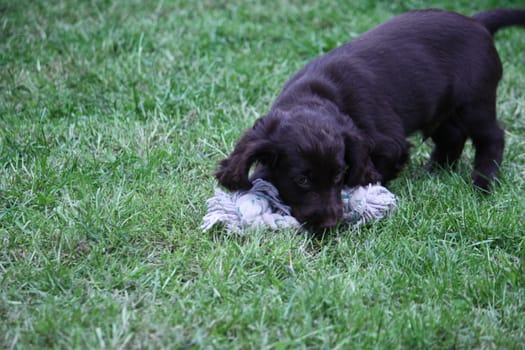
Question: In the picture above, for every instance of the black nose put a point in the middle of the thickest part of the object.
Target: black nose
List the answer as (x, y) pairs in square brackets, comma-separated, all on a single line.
[(327, 219), (319, 218)]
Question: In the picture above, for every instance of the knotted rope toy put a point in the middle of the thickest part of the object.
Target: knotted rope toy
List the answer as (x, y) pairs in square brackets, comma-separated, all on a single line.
[(261, 206)]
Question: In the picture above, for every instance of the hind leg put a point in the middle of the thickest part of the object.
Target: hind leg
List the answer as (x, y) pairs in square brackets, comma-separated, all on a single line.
[(488, 139), (449, 140), (489, 143)]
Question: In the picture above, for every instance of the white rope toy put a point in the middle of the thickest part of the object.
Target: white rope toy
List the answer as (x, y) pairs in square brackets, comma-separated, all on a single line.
[(261, 206)]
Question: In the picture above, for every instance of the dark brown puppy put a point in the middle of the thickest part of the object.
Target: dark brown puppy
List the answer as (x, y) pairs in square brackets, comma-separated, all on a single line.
[(344, 117)]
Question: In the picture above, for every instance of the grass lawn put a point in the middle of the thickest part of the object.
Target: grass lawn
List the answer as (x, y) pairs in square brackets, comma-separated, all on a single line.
[(113, 115)]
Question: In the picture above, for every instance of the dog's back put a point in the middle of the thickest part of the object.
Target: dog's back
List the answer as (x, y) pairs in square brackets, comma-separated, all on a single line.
[(421, 64)]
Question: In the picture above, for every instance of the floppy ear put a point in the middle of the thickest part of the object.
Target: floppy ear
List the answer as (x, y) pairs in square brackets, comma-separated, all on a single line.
[(253, 147), (361, 169)]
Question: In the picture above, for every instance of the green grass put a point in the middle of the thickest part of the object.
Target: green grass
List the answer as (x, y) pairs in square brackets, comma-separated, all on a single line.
[(113, 115)]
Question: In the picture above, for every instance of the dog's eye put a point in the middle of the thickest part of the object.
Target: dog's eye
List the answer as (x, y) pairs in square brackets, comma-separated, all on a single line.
[(302, 181)]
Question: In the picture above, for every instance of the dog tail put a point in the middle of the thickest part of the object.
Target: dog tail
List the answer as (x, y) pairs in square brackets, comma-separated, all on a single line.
[(496, 19)]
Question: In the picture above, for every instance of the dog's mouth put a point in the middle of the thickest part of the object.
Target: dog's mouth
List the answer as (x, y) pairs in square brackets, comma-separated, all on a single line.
[(320, 230), (316, 224)]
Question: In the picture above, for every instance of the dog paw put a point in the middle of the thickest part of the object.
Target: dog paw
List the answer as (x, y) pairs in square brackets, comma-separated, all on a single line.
[(481, 182)]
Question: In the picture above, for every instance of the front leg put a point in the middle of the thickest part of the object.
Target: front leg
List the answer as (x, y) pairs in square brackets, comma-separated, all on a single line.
[(389, 158)]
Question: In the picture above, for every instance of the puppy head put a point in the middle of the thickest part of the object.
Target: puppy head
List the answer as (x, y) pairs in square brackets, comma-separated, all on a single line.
[(307, 156)]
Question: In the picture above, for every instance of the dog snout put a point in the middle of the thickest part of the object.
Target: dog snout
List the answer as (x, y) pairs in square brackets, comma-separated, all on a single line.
[(331, 217), (323, 218), (327, 224)]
